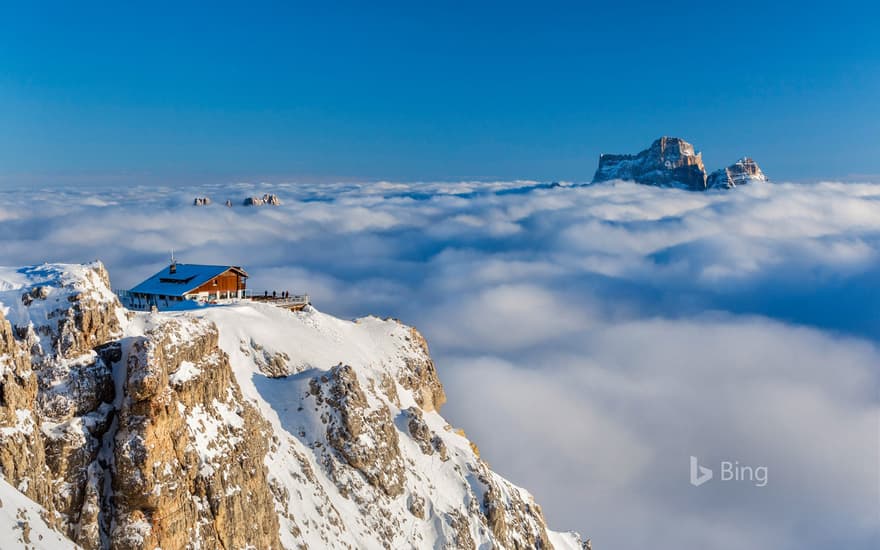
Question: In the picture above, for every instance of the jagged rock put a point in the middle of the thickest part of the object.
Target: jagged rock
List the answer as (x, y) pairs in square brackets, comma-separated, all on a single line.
[(418, 430), (268, 198), (743, 171), (420, 375), (189, 451), (417, 506), (517, 522), (72, 449), (363, 435), (61, 406), (273, 365), (22, 453), (201, 201), (74, 388), (461, 536), (428, 440), (668, 162), (73, 318), (440, 446), (56, 413), (672, 162)]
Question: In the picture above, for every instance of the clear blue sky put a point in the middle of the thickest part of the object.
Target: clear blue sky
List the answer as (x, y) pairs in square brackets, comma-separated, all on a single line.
[(172, 93)]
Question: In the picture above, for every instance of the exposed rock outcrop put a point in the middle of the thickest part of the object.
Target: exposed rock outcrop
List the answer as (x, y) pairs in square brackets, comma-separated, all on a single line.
[(420, 375), (268, 199), (673, 162), (22, 453), (668, 162), (180, 451), (273, 365), (189, 451), (428, 440), (514, 518), (59, 392), (364, 435), (741, 172)]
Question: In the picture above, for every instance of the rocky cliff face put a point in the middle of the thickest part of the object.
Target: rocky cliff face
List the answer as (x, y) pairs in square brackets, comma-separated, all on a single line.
[(57, 388), (189, 452), (130, 435), (246, 426), (668, 162), (672, 162)]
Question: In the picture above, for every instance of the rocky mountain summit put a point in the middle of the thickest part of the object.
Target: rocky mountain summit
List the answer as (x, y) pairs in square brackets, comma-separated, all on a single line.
[(673, 162), (741, 172), (270, 199), (267, 198), (242, 426)]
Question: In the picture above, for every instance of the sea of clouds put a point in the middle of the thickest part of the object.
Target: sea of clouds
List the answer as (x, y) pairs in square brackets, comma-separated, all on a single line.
[(591, 338)]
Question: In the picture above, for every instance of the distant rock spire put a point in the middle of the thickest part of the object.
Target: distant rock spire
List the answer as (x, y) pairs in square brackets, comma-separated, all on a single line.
[(741, 172)]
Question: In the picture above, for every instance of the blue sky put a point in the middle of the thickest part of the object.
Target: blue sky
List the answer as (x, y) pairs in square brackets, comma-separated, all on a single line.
[(173, 93)]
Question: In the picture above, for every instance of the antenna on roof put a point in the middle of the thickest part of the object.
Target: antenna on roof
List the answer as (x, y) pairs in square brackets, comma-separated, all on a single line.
[(173, 267)]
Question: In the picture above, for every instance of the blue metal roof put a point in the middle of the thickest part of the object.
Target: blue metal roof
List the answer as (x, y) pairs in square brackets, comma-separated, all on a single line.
[(187, 278)]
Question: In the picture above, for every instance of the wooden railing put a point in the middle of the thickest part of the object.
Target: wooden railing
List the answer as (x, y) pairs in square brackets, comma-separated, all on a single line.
[(278, 298), (282, 299)]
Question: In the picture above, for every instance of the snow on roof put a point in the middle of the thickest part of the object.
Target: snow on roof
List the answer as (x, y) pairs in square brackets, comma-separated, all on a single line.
[(187, 278)]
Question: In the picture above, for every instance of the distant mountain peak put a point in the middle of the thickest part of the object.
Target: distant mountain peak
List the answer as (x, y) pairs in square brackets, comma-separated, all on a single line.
[(673, 162), (743, 171)]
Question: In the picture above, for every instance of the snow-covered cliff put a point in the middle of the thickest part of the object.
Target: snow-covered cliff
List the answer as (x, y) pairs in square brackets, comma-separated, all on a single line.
[(232, 426)]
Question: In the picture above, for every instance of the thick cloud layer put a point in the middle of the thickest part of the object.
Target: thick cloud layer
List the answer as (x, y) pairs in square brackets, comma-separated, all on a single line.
[(591, 338)]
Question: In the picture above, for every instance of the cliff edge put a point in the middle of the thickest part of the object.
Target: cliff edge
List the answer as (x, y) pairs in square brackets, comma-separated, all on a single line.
[(229, 427)]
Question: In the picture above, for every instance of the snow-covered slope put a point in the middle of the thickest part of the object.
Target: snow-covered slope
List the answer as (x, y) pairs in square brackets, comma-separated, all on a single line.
[(238, 425), (22, 524), (429, 486)]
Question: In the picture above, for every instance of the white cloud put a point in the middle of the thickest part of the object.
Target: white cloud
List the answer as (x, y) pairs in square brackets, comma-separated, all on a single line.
[(620, 409), (504, 317), (591, 338)]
